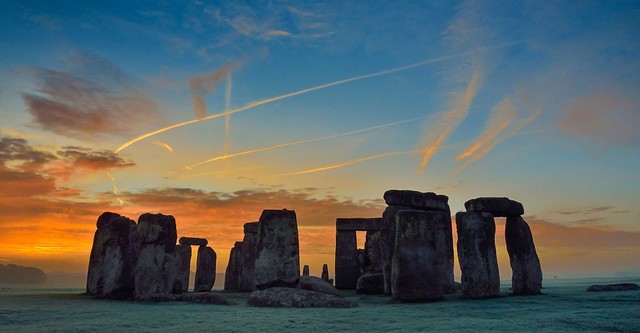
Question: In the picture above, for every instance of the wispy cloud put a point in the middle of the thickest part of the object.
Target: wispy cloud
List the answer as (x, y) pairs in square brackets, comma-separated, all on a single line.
[(203, 84), (163, 145), (85, 158)]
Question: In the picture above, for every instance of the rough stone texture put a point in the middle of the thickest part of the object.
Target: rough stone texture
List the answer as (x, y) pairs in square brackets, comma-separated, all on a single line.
[(499, 207), (113, 257), (614, 287), (372, 284), (305, 270), (372, 252), (205, 269), (277, 251), (358, 224), (428, 201), (203, 297), (317, 284), (193, 241), (347, 268), (183, 254), (450, 282), (525, 265), (155, 272), (231, 275), (477, 254), (419, 267), (289, 297), (248, 258), (387, 243), (325, 273)]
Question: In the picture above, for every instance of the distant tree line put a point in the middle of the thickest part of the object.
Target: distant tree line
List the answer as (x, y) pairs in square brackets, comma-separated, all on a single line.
[(21, 275)]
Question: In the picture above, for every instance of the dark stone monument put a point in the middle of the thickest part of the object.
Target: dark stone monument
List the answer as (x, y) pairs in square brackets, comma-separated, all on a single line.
[(205, 269), (231, 275), (305, 270), (525, 265), (371, 283), (193, 241), (183, 253), (277, 250), (499, 207), (348, 265), (155, 272), (247, 257), (325, 273)]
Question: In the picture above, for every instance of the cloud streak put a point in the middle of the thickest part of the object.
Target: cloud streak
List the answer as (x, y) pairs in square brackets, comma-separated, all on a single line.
[(352, 162), (203, 84)]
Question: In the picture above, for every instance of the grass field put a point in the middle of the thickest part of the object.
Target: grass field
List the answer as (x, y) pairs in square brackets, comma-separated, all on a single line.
[(564, 307)]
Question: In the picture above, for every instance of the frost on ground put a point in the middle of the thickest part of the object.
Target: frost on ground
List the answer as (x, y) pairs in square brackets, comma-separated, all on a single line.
[(564, 307)]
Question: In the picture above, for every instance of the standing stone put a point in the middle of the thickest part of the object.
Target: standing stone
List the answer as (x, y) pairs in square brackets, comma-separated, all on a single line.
[(499, 207), (156, 270), (247, 257), (372, 252), (325, 272), (477, 255), (205, 269), (113, 257), (387, 243), (277, 250), (183, 253), (525, 265), (231, 275), (305, 270), (347, 269), (419, 267)]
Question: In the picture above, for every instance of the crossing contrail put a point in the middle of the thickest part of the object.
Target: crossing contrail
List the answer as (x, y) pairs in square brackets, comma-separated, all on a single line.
[(354, 161), (227, 118)]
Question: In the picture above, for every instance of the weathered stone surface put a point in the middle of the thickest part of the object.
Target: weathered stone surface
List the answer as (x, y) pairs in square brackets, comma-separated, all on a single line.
[(305, 270), (113, 257), (193, 241), (499, 207), (347, 268), (372, 252), (325, 273), (232, 273), (317, 284), (525, 265), (251, 227), (419, 268), (477, 254), (247, 259), (277, 250), (155, 272), (449, 286), (203, 297), (183, 254), (358, 224), (205, 269), (417, 200), (372, 284), (387, 242), (289, 297), (614, 287)]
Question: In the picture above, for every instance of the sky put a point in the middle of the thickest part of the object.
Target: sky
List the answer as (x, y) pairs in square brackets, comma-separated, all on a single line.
[(214, 111)]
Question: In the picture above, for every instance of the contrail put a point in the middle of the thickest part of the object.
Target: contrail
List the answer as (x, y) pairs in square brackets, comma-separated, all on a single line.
[(115, 188), (227, 118), (304, 91), (203, 84), (355, 161), (163, 145), (299, 142)]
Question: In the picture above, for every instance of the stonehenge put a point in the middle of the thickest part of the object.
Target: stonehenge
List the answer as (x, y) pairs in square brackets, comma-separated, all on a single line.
[(231, 275), (348, 266), (206, 269), (277, 251)]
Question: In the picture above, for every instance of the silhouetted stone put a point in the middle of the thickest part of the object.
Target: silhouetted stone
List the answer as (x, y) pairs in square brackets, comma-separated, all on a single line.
[(277, 250), (193, 241), (428, 201), (113, 257), (372, 252), (347, 269), (183, 253), (155, 272), (419, 268), (525, 265), (387, 242), (317, 284), (358, 224), (289, 297), (305, 270), (499, 207), (614, 287), (477, 254), (247, 257), (205, 269), (325, 273), (203, 297), (232, 273), (372, 284)]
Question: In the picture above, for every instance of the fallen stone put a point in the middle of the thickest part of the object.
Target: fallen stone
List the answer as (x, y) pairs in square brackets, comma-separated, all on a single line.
[(183, 254), (499, 207), (231, 275), (317, 284), (277, 250), (525, 265), (420, 267), (193, 241), (371, 284), (113, 257), (305, 270), (477, 255), (156, 270), (417, 200), (289, 297), (205, 269), (614, 287)]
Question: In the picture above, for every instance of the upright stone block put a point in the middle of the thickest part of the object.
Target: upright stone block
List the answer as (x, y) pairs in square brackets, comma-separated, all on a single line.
[(325, 273), (156, 270), (246, 271), (232, 273), (347, 269), (419, 268), (477, 255), (387, 243), (183, 254), (113, 257), (277, 250), (372, 252), (205, 269), (305, 270), (525, 265)]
